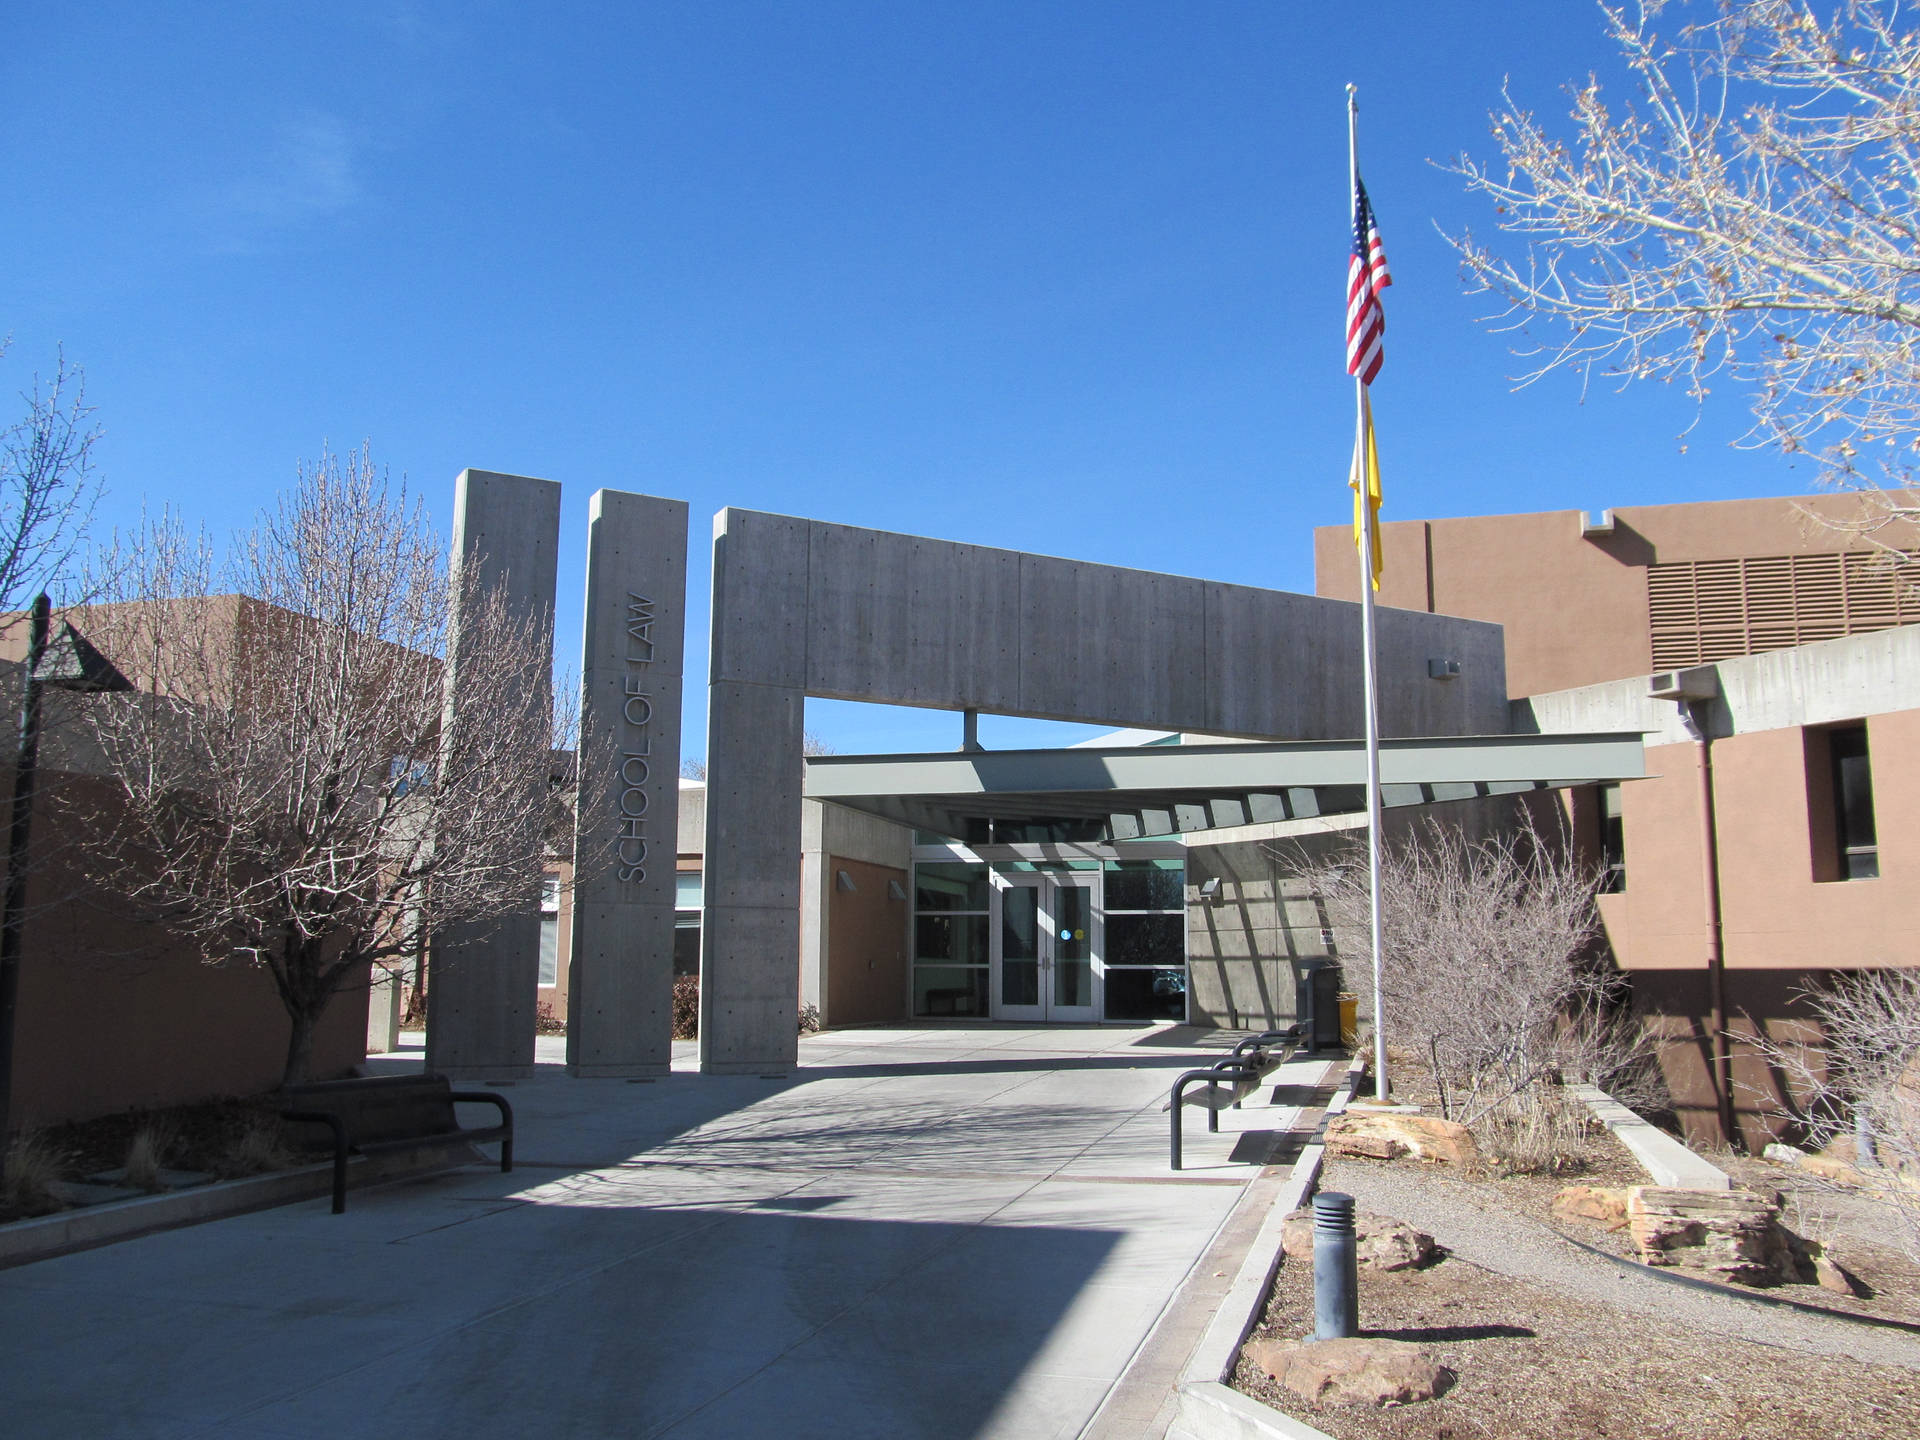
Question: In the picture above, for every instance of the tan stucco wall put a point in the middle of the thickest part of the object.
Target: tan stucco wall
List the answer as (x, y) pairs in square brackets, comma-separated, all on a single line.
[(1574, 609), (1774, 914)]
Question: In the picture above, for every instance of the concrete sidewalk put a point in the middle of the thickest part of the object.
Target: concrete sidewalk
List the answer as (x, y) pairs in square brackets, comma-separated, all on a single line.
[(922, 1233)]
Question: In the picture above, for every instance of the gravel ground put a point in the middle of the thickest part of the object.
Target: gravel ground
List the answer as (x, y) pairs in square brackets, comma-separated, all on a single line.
[(1532, 1363), (1473, 1224)]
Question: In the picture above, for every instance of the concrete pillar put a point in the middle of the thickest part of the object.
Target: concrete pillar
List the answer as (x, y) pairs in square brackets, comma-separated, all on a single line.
[(750, 951), (620, 990), (816, 907), (383, 1011), (483, 982)]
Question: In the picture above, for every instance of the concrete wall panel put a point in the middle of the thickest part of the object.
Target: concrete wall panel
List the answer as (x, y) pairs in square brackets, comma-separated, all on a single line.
[(1112, 646), (749, 995), (760, 622), (620, 987), (912, 621), (485, 980)]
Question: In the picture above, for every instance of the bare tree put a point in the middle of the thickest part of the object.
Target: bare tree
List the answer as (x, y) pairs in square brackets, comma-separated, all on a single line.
[(289, 792), (1488, 969), (1753, 212), (48, 487)]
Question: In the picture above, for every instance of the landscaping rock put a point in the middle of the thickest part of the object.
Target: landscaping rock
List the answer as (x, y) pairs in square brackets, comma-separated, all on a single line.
[(1388, 1137), (1834, 1170), (1360, 1371), (1828, 1274), (1726, 1234), (1783, 1154), (1382, 1242), (1604, 1205)]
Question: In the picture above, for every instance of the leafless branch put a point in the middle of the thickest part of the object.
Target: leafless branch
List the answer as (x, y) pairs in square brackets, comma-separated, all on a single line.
[(1752, 212)]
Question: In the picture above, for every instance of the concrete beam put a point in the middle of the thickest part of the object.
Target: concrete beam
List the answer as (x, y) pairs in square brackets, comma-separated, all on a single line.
[(633, 650), (483, 982)]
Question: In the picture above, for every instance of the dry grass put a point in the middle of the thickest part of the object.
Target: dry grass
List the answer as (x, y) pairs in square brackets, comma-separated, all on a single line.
[(147, 1156), (34, 1165), (259, 1145)]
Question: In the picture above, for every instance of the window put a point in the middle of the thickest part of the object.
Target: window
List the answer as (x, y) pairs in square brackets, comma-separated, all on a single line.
[(688, 893), (1146, 940), (549, 930), (950, 941), (1613, 842), (1859, 854)]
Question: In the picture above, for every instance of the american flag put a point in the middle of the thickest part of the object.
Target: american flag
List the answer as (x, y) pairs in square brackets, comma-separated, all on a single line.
[(1366, 277)]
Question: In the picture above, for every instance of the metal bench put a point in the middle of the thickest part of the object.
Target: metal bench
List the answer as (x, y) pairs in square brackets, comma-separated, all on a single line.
[(390, 1113), (1231, 1080)]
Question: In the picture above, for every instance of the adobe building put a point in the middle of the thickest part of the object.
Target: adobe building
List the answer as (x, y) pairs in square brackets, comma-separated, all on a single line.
[(1773, 665)]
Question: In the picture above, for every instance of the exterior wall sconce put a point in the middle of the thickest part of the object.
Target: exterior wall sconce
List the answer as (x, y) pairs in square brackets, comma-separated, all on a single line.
[(1439, 668), (844, 881)]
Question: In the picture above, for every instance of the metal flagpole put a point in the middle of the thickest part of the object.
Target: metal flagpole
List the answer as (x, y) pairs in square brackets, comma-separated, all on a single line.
[(1363, 497)]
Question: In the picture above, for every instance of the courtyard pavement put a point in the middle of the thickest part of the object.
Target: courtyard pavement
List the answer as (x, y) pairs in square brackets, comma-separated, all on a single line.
[(962, 1232)]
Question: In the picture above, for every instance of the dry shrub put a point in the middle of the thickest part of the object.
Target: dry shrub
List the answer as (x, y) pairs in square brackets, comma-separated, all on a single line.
[(260, 1145), (34, 1166), (546, 1022), (1862, 1083), (147, 1156), (809, 1019), (1490, 973), (686, 1007)]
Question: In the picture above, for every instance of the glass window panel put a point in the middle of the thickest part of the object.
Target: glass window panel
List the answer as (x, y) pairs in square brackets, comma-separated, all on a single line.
[(1073, 924), (686, 890), (960, 939), (549, 951), (1146, 885), (1146, 940), (686, 950), (950, 885), (1020, 923), (1159, 994), (949, 990)]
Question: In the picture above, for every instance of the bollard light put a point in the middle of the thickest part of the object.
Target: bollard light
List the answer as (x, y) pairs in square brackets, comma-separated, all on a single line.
[(1336, 1288)]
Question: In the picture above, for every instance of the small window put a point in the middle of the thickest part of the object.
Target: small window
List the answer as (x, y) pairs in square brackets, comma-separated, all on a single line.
[(550, 930), (1859, 852), (1613, 842)]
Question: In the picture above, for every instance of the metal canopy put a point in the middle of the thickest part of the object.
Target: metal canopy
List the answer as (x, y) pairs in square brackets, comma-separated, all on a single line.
[(1128, 792)]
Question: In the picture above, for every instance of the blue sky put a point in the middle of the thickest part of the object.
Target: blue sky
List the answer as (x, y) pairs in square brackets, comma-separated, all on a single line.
[(1064, 277)]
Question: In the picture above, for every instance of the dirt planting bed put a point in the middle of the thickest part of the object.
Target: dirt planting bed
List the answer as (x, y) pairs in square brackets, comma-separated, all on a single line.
[(1534, 1363)]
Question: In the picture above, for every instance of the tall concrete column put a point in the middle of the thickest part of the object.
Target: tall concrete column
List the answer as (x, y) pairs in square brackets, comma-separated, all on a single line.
[(620, 989), (483, 982), (750, 948)]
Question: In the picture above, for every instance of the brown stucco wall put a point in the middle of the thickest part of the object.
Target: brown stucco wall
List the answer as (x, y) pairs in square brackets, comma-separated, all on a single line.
[(1783, 929), (116, 1014), (866, 945), (1574, 609)]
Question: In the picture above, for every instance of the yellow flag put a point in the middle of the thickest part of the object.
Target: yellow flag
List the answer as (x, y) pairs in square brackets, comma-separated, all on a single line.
[(1366, 464)]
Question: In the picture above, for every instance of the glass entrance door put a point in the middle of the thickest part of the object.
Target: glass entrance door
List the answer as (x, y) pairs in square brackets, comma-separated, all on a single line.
[(1045, 945)]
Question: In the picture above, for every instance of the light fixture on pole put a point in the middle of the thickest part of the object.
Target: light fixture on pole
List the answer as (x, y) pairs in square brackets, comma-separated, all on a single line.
[(67, 662)]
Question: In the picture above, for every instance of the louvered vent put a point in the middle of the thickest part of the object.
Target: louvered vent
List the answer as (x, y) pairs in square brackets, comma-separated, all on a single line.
[(1706, 610)]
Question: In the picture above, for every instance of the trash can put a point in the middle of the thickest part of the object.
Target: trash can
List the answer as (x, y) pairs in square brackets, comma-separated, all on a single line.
[(1349, 1019)]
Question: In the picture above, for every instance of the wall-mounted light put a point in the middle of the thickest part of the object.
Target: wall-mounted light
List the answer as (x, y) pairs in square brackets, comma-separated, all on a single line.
[(1440, 668), (844, 881), (895, 890), (1210, 888)]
